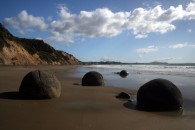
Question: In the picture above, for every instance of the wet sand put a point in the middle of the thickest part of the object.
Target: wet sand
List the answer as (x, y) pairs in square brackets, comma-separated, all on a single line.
[(78, 108)]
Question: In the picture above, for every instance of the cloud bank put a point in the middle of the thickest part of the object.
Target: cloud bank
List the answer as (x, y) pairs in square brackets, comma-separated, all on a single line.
[(181, 45), (143, 51), (147, 49), (176, 46), (103, 22), (24, 22)]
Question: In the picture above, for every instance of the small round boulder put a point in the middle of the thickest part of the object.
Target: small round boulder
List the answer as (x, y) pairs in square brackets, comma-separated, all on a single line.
[(159, 95), (40, 84), (92, 78), (124, 73)]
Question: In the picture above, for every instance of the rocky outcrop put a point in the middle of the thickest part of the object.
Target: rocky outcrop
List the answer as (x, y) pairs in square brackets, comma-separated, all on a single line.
[(21, 51)]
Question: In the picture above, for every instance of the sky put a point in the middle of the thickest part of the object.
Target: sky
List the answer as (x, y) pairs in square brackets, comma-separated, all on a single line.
[(108, 30)]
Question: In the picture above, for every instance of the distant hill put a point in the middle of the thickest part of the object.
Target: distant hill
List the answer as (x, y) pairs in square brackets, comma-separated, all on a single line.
[(21, 51), (158, 63)]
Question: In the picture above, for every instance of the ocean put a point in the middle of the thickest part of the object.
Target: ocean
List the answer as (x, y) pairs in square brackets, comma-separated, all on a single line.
[(180, 75), (183, 76)]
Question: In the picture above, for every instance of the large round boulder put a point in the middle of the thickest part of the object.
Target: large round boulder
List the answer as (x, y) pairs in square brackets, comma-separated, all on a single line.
[(92, 78), (40, 84), (159, 95)]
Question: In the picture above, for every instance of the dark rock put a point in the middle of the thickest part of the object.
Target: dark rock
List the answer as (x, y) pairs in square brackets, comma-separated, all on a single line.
[(159, 95), (40, 84), (123, 95), (92, 78), (124, 73)]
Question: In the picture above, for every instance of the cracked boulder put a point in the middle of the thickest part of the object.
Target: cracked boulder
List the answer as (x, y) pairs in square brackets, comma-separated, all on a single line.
[(40, 84)]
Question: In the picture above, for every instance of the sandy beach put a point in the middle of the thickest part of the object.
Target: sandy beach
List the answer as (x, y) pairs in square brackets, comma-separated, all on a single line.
[(78, 108)]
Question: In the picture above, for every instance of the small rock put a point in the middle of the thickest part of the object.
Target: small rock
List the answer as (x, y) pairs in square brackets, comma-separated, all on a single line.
[(123, 95)]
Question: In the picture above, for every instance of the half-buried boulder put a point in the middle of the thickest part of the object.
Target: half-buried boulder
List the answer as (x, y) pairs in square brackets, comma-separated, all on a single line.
[(92, 78), (159, 95), (40, 84)]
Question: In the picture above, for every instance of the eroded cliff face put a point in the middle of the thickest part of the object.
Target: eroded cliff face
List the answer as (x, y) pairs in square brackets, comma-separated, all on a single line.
[(15, 54), (20, 51)]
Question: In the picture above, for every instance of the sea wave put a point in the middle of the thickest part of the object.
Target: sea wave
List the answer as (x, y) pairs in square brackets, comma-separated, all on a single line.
[(157, 69)]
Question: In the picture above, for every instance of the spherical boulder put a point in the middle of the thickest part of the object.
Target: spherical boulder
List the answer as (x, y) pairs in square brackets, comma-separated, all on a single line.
[(124, 73), (40, 84), (92, 78), (159, 95)]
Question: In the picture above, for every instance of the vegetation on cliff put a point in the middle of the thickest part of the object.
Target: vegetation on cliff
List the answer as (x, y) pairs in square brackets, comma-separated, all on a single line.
[(4, 34)]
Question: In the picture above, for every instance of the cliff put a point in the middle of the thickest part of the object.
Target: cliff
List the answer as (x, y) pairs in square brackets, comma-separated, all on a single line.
[(21, 51)]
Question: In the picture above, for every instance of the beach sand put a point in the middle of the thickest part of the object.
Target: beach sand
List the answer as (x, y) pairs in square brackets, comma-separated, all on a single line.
[(78, 108)]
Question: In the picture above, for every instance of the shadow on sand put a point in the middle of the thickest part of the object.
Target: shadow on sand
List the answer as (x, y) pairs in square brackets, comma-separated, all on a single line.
[(14, 95), (176, 113), (10, 95)]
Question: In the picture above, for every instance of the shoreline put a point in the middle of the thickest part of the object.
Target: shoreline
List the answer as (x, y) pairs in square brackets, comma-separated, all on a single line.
[(78, 108)]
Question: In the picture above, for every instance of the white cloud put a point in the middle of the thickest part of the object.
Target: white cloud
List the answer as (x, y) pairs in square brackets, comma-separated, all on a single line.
[(193, 45), (140, 36), (39, 38), (143, 21), (102, 22), (181, 45), (190, 11), (146, 50), (24, 22), (59, 37), (189, 30), (176, 46), (107, 58)]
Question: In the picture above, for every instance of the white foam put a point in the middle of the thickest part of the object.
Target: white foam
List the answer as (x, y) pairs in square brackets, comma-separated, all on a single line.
[(157, 69)]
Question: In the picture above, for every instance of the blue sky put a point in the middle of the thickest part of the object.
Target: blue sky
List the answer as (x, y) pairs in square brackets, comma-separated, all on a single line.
[(108, 30)]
